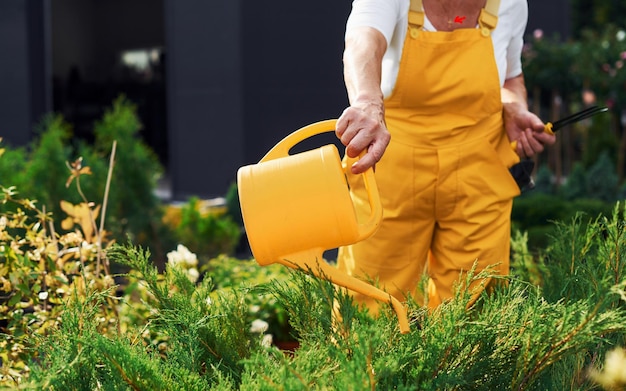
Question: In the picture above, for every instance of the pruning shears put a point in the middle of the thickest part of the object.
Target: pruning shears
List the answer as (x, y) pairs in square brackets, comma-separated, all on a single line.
[(522, 171)]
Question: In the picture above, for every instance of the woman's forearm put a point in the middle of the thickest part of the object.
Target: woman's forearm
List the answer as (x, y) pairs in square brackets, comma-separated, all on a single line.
[(514, 92), (362, 60), (361, 126)]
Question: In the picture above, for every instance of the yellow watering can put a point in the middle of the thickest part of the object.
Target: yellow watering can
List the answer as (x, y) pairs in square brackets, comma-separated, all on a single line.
[(295, 207)]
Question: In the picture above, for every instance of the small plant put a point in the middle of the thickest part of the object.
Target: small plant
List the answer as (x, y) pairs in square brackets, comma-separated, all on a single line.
[(230, 274), (206, 232)]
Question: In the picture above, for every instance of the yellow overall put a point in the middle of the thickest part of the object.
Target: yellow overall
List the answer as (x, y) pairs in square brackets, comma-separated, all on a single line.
[(444, 180)]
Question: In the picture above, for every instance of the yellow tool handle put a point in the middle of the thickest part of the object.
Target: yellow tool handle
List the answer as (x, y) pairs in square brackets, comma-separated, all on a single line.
[(284, 146), (368, 228), (546, 129)]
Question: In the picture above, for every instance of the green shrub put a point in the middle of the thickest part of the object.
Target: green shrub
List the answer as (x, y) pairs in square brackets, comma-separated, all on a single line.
[(71, 352), (514, 339), (206, 233), (56, 287), (589, 253), (233, 207), (12, 166), (229, 274), (602, 181), (543, 181), (576, 185), (46, 169), (133, 207), (558, 315), (537, 209), (536, 213)]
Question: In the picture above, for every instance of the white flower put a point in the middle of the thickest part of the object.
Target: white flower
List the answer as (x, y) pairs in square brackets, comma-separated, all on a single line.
[(108, 281), (193, 274), (615, 366), (43, 295), (88, 250), (182, 256), (71, 239), (267, 340), (259, 326), (621, 34), (3, 222), (614, 374), (174, 258)]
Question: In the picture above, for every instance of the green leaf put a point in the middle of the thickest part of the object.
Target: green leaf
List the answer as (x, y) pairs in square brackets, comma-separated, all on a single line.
[(15, 299), (25, 289)]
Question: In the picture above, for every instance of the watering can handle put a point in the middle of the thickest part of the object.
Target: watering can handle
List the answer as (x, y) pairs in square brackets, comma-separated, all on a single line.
[(282, 148), (367, 228)]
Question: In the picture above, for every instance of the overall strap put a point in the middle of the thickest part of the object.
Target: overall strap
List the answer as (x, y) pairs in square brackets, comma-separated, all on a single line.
[(416, 17), (488, 19)]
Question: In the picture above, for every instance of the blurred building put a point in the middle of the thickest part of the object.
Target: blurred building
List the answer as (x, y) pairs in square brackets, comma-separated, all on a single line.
[(217, 83), (551, 16)]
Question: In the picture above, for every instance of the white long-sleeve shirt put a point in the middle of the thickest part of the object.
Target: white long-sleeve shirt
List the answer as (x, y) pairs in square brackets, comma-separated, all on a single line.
[(390, 17)]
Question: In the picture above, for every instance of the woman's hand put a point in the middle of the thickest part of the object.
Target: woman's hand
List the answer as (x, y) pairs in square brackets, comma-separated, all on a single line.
[(362, 127), (524, 128)]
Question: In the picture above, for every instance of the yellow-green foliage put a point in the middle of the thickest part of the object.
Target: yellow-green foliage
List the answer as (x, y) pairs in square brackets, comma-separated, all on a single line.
[(513, 339), (39, 269)]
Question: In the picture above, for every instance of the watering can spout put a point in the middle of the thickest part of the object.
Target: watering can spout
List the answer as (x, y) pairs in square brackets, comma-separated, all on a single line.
[(311, 261), (295, 207)]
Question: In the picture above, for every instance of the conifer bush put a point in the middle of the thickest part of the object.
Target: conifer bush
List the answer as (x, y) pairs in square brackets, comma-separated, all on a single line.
[(67, 322), (557, 322), (549, 327)]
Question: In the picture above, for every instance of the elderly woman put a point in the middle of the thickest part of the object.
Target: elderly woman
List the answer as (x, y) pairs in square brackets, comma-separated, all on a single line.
[(437, 98)]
